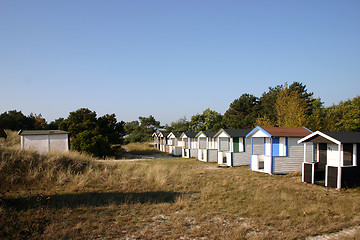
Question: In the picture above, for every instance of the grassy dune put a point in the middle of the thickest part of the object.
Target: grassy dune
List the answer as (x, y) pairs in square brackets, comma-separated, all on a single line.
[(74, 196)]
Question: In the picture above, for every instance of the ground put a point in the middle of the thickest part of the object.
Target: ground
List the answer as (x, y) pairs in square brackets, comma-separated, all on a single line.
[(176, 198)]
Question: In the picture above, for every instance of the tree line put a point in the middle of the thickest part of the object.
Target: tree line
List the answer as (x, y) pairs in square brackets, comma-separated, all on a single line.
[(281, 106)]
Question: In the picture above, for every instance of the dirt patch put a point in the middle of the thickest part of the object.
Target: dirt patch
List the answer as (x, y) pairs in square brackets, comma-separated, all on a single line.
[(345, 233)]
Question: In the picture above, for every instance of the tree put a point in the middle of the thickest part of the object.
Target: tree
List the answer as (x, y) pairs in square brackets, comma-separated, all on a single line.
[(317, 120), (209, 120), (15, 120), (291, 109), (39, 122), (267, 104), (181, 125), (91, 142), (131, 126), (91, 134), (141, 132), (54, 125), (344, 117), (264, 121), (110, 128), (268, 100), (79, 121), (243, 112), (304, 95)]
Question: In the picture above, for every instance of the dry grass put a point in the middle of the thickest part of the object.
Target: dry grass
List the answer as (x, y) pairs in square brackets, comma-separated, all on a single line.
[(138, 148), (164, 199)]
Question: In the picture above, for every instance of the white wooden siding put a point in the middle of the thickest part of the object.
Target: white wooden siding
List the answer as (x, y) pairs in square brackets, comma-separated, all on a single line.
[(212, 155), (293, 162), (242, 158)]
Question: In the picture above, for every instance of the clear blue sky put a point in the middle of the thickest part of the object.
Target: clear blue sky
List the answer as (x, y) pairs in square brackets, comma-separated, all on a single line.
[(172, 59)]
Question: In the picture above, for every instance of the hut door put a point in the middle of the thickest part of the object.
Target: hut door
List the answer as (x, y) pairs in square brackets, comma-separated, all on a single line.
[(322, 156)]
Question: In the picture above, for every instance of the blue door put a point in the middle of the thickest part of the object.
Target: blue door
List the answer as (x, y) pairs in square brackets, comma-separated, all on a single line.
[(275, 146)]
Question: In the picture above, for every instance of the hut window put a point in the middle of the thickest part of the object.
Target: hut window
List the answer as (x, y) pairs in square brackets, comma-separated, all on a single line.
[(348, 154), (224, 144), (202, 143), (187, 142), (280, 146)]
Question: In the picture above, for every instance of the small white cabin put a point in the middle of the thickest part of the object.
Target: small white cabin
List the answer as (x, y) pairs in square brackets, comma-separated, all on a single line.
[(155, 135), (233, 147), (189, 144), (163, 146), (275, 150), (44, 140), (336, 162), (175, 143), (207, 145)]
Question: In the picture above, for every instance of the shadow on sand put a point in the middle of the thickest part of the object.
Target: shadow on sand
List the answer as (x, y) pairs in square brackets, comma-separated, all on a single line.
[(89, 199)]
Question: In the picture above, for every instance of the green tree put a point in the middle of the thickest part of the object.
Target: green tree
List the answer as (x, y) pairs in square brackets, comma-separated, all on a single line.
[(267, 104), (39, 122), (91, 134), (264, 121), (317, 120), (91, 142), (243, 112), (54, 125), (15, 120), (141, 132), (111, 129), (344, 117), (131, 127), (291, 109), (268, 100), (181, 125), (209, 120)]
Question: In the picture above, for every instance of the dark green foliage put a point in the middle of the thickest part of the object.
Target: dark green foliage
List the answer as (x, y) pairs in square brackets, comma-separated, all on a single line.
[(91, 134), (141, 132), (110, 128), (268, 101), (209, 120), (15, 120), (344, 117), (317, 120), (79, 121), (91, 142), (242, 112), (181, 125), (267, 104), (54, 125)]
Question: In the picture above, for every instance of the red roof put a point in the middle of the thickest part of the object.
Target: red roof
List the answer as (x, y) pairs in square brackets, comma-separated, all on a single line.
[(287, 132)]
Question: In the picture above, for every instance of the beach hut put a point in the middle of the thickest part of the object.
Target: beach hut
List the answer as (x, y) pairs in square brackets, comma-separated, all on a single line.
[(335, 162), (163, 141), (275, 150), (155, 135), (233, 147), (175, 143), (207, 146), (44, 140), (190, 144)]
